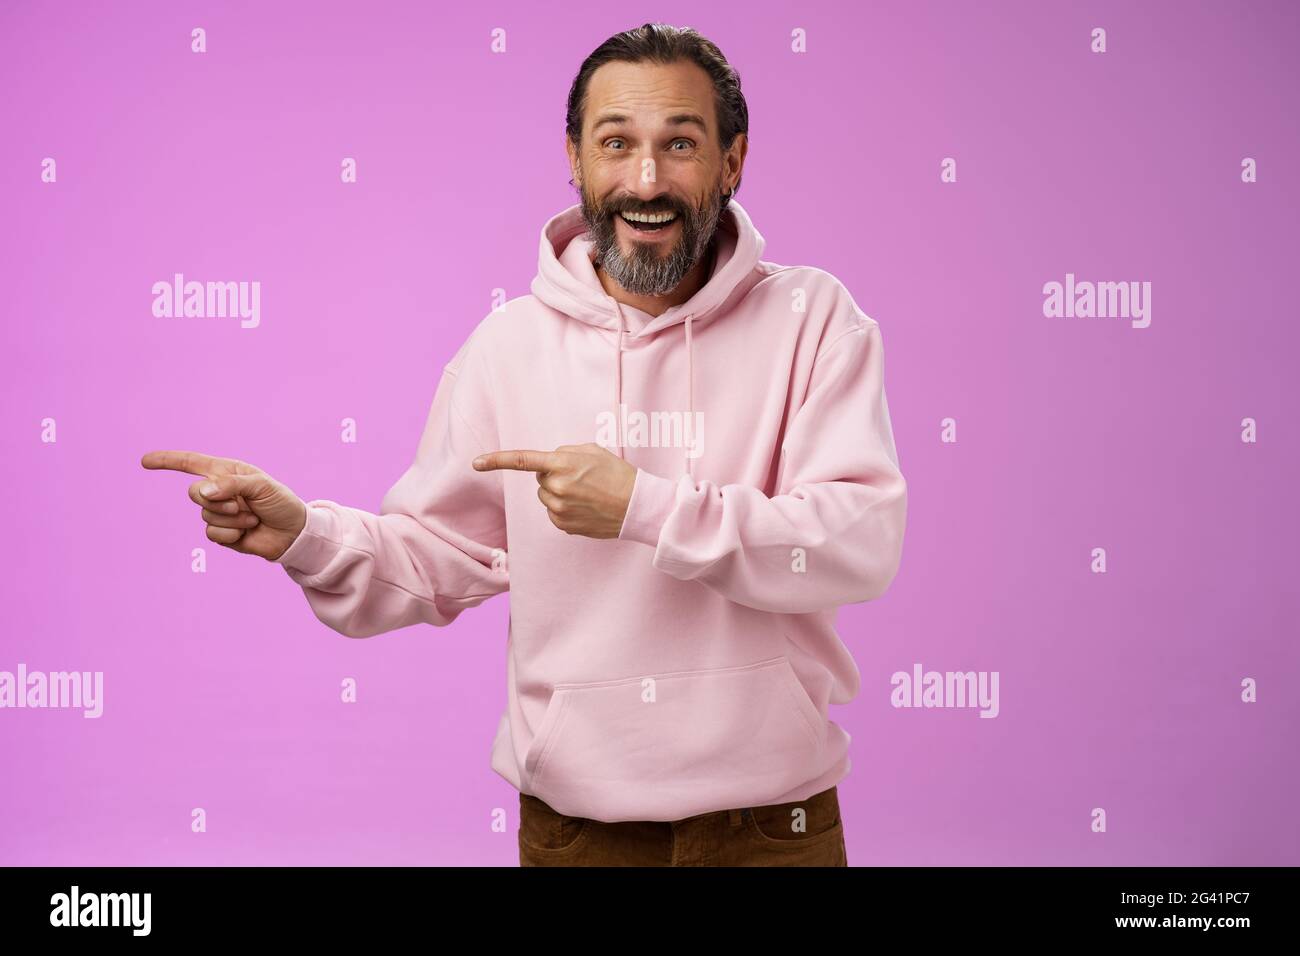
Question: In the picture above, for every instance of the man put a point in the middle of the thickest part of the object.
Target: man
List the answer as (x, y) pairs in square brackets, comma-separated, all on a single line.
[(677, 458)]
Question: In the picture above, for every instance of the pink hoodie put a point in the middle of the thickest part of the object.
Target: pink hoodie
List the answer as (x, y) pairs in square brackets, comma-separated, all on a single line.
[(686, 666)]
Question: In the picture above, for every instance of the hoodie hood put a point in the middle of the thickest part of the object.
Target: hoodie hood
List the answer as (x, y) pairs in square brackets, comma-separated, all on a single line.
[(567, 282)]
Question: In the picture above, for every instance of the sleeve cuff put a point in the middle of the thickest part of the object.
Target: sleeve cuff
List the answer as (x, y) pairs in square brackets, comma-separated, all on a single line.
[(653, 499), (313, 549)]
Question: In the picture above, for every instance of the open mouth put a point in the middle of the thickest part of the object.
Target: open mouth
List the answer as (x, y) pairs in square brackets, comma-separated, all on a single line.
[(649, 222)]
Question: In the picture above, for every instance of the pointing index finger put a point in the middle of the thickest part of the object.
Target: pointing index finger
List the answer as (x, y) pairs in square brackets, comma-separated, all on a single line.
[(519, 459), (190, 462)]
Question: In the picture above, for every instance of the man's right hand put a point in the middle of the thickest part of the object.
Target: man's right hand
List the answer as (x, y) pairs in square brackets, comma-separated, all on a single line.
[(245, 508)]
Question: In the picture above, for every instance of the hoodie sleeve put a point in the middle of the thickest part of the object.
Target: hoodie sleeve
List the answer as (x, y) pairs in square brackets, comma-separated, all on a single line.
[(834, 533), (437, 545)]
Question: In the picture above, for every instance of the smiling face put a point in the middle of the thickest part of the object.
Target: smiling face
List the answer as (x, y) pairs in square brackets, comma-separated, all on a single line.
[(651, 171)]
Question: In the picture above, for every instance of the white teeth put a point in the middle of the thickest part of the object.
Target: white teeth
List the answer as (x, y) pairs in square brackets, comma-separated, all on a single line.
[(650, 218)]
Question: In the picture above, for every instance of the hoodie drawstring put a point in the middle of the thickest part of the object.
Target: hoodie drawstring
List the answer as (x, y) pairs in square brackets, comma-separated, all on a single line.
[(618, 381), (689, 425)]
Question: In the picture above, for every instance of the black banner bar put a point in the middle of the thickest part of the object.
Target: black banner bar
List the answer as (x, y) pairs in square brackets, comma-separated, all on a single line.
[(236, 904)]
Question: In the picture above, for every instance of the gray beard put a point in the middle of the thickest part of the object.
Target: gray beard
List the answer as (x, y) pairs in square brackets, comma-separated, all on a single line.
[(646, 272)]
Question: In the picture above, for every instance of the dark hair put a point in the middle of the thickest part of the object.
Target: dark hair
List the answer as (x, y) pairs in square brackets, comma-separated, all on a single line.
[(661, 43)]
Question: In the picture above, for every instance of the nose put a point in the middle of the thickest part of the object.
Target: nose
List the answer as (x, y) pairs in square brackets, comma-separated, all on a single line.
[(644, 184)]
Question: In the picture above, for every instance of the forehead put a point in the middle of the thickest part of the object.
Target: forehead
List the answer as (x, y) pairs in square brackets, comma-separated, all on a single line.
[(649, 93)]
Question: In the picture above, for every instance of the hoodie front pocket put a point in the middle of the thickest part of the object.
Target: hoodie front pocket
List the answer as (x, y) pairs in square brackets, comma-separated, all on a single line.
[(668, 746)]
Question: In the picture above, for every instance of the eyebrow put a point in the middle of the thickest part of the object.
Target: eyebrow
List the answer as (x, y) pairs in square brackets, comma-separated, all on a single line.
[(678, 119)]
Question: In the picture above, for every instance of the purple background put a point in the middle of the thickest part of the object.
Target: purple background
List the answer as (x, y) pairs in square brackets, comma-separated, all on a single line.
[(1119, 691)]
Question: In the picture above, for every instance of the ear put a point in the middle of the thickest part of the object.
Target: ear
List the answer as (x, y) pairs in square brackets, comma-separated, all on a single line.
[(572, 152), (735, 160)]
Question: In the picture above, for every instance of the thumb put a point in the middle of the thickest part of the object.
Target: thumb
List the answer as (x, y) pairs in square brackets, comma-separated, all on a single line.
[(222, 487)]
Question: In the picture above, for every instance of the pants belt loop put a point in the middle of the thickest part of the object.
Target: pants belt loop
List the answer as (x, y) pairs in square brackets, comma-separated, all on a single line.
[(734, 814)]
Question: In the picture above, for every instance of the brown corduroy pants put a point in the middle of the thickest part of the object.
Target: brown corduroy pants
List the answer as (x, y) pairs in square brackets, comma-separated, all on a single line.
[(806, 832)]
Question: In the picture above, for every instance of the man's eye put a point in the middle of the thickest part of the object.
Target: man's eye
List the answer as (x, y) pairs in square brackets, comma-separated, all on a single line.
[(612, 143)]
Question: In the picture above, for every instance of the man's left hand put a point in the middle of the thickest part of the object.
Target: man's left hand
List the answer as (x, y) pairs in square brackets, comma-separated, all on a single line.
[(585, 488)]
